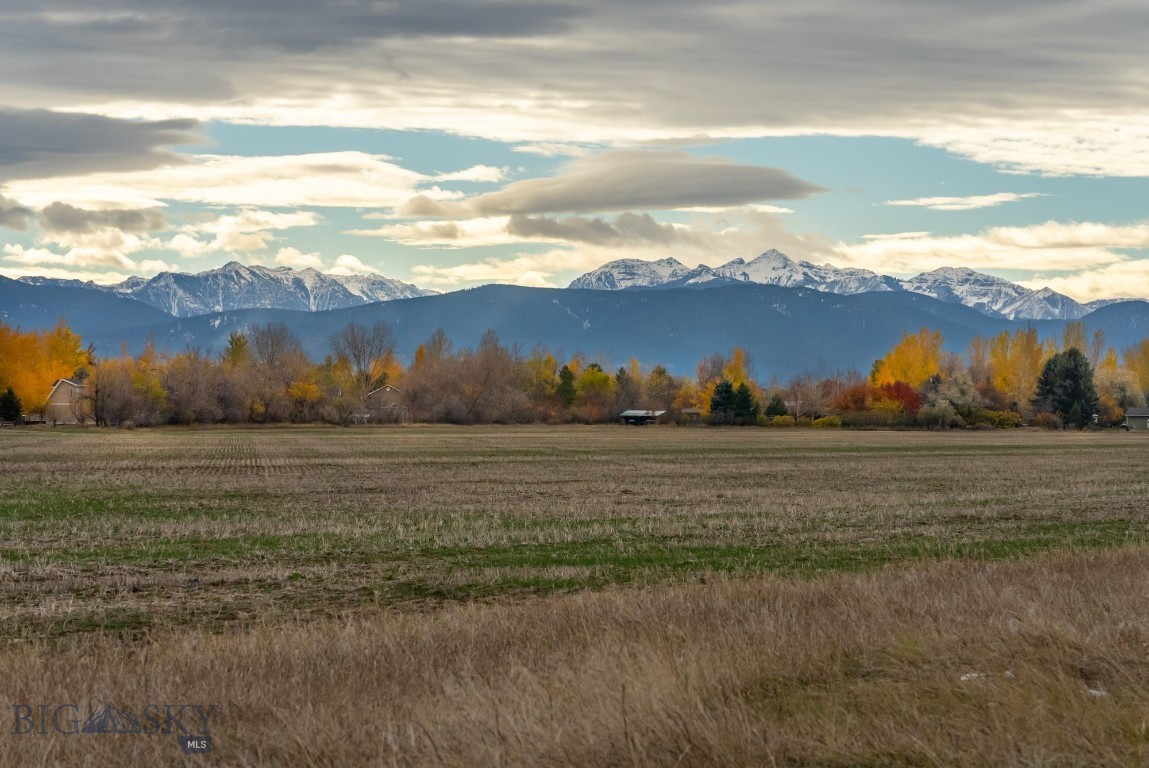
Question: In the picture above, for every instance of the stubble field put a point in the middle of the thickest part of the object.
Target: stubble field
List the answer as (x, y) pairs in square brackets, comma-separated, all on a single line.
[(581, 596)]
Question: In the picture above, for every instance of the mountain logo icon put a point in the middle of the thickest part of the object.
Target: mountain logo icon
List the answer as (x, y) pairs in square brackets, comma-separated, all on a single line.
[(112, 719)]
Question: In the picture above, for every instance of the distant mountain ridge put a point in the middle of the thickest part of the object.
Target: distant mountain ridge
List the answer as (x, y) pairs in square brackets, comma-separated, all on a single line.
[(990, 295), (786, 330), (236, 286)]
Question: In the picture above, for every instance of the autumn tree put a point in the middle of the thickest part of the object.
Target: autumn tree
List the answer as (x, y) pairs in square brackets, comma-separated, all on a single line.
[(431, 392), (913, 360), (661, 389), (595, 394), (712, 369), (369, 355), (1137, 361), (628, 381), (1016, 360), (542, 378), (1117, 392), (492, 383), (32, 362), (951, 402), (193, 383), (279, 362)]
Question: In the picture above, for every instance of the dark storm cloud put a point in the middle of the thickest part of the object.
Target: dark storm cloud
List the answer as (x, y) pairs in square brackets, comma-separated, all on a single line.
[(13, 215), (41, 143), (598, 70), (626, 180), (61, 217), (291, 25)]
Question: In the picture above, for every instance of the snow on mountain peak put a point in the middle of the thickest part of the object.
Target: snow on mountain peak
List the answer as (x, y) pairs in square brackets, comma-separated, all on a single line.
[(989, 294)]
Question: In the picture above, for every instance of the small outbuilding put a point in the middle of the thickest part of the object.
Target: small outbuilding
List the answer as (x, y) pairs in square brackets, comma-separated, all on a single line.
[(1136, 418), (641, 418)]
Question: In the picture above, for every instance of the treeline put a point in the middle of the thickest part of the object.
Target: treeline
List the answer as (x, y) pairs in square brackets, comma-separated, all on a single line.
[(264, 376)]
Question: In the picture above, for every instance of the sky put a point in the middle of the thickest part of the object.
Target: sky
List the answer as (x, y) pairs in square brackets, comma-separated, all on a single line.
[(453, 143)]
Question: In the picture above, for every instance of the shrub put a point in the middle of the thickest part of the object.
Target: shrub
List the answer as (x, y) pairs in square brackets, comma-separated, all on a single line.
[(827, 422), (1046, 421), (998, 419), (782, 421)]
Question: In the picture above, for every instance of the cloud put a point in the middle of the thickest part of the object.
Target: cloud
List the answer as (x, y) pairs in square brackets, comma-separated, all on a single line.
[(1031, 87), (1079, 142), (626, 180), (75, 257), (351, 265), (61, 217), (969, 203), (247, 231), (552, 149), (13, 215), (103, 277), (535, 270), (1129, 277), (582, 244), (293, 257), (344, 179), (476, 173), (502, 230), (1048, 247), (38, 143)]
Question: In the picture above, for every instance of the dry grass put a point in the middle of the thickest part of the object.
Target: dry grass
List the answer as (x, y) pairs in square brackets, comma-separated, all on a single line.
[(126, 531), (582, 596), (947, 664)]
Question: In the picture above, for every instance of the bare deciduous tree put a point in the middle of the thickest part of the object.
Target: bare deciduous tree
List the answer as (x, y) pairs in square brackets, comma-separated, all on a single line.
[(367, 352)]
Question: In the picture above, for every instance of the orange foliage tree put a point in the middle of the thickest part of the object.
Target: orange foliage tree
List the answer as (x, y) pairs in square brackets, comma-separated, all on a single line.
[(914, 360), (32, 362)]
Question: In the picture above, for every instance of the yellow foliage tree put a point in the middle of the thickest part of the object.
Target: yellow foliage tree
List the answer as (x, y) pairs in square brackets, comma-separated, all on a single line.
[(1137, 361), (1017, 361), (914, 360)]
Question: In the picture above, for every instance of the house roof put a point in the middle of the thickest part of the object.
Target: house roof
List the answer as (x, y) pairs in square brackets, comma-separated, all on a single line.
[(637, 413), (384, 388), (1139, 412), (76, 384)]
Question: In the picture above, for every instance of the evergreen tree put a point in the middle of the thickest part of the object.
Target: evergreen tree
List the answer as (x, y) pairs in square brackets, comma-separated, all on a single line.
[(745, 405), (1066, 387), (722, 403), (9, 406), (777, 406), (566, 388)]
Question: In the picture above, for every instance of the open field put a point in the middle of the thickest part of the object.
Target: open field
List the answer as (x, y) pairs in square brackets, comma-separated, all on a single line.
[(274, 571)]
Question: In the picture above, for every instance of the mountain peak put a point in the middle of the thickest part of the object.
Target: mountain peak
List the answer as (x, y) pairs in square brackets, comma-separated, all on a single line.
[(238, 286), (989, 294)]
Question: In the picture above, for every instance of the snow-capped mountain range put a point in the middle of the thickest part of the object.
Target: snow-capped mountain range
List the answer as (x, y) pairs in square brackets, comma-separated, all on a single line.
[(236, 286), (993, 296)]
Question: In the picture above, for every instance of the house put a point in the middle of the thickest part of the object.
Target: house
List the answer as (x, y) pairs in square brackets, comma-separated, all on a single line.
[(384, 404), (66, 403), (640, 418), (1136, 418)]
